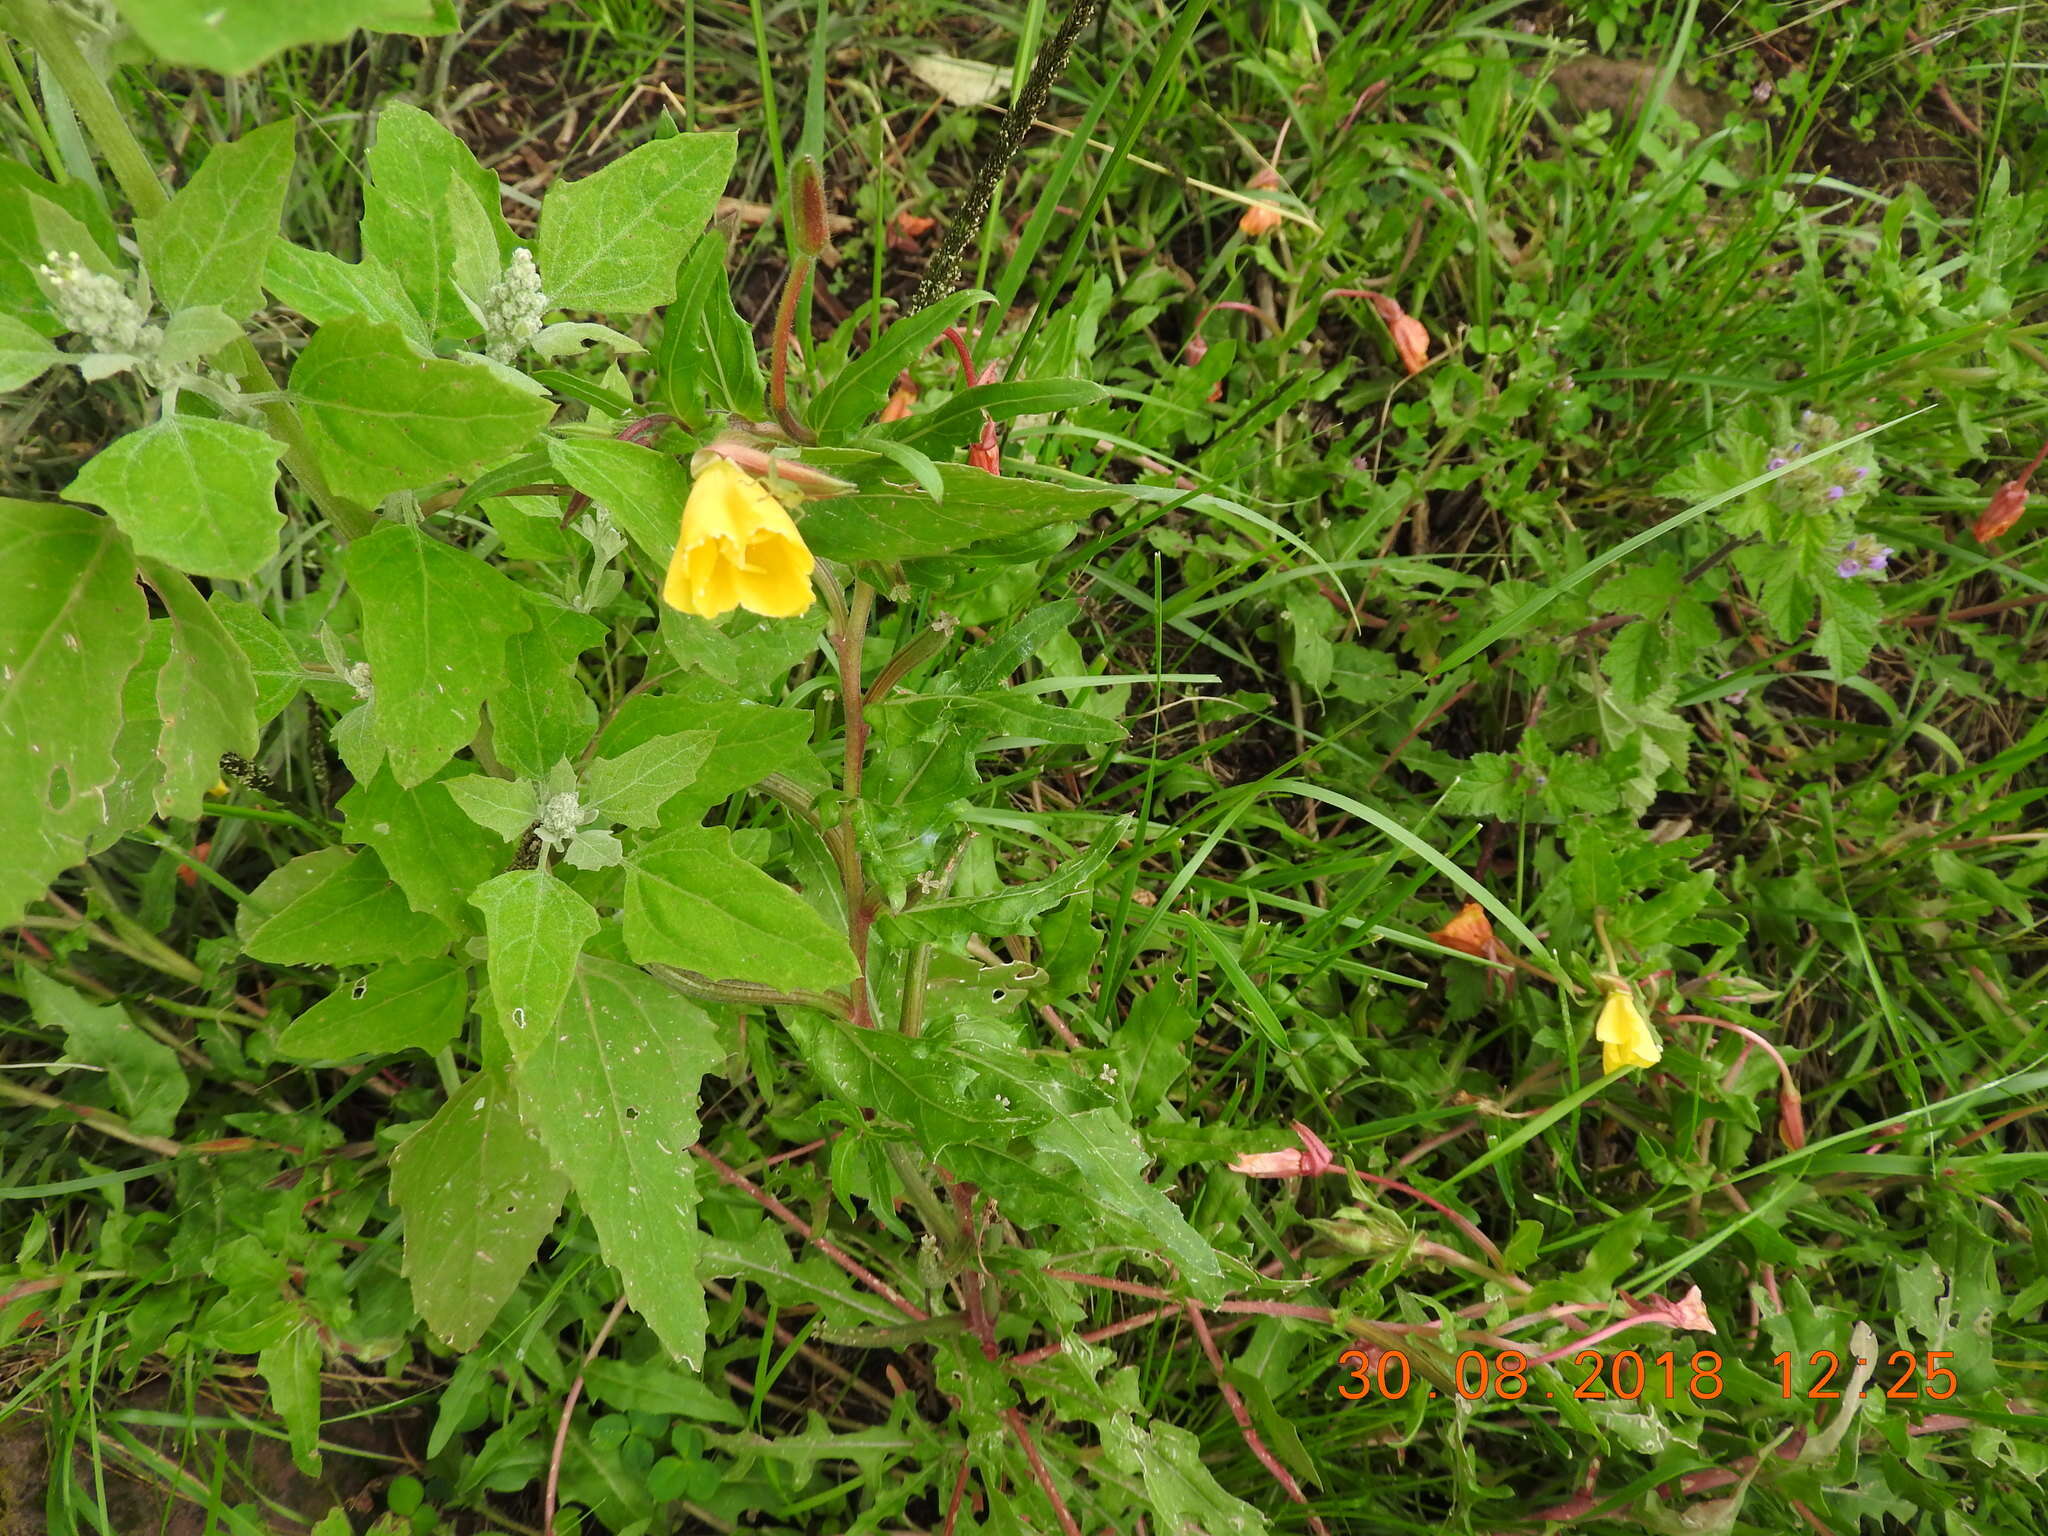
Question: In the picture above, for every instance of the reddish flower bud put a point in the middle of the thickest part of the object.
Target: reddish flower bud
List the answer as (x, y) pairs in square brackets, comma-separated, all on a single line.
[(2008, 506), (810, 220)]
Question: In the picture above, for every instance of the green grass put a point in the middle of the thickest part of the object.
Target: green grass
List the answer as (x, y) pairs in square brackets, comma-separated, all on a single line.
[(1427, 686)]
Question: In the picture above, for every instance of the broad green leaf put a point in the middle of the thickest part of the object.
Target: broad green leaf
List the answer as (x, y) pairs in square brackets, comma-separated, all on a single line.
[(899, 525), (1013, 909), (642, 489), (478, 1193), (707, 350), (231, 36), (1110, 1163), (279, 674), (414, 1007), (544, 713), (614, 240), (435, 621), (753, 740), (145, 1078), (205, 695), (862, 386), (197, 331), (632, 788), (422, 213), (907, 1084), (612, 1089), (71, 630), (324, 288), (692, 902), (197, 494), (536, 927), (210, 245), (335, 907), (381, 416), (507, 806), (25, 355), (290, 1368), (437, 854)]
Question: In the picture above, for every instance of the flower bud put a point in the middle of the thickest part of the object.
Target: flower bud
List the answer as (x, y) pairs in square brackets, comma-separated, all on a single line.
[(2008, 506), (811, 222)]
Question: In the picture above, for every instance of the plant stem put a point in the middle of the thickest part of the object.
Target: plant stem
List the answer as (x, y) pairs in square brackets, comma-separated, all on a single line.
[(849, 639), (785, 335), (940, 276)]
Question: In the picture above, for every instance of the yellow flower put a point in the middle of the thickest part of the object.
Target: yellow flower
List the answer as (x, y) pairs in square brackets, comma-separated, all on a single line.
[(1625, 1036), (737, 549)]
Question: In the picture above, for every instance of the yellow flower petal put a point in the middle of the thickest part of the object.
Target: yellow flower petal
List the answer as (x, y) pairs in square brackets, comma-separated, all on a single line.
[(1625, 1036), (737, 548)]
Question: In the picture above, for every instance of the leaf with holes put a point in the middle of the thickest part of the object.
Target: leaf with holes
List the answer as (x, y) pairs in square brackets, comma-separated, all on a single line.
[(205, 696), (536, 927), (613, 1090), (71, 630), (414, 1007), (478, 1193)]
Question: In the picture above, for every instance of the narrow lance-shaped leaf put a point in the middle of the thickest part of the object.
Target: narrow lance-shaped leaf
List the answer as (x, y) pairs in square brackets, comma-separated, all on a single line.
[(691, 901)]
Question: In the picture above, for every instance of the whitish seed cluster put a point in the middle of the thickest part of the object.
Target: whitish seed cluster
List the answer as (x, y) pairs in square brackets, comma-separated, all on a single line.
[(561, 817), (513, 308), (98, 307)]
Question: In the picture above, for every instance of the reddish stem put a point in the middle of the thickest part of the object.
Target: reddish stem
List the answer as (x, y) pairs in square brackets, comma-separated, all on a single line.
[(547, 1501), (796, 1223), (1238, 1411), (1059, 1508)]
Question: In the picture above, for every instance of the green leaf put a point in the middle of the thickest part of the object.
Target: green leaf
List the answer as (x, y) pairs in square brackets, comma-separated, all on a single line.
[(507, 806), (430, 212), (31, 226), (1013, 909), (956, 422), (1183, 1493), (478, 1193), (706, 350), (1110, 1164), (536, 927), (324, 288), (231, 36), (544, 714), (210, 245), (71, 629), (433, 850), (613, 240), (415, 1007), (197, 494), (25, 355), (205, 695), (643, 489), (863, 385), (691, 901), (335, 907), (435, 621), (907, 1084), (752, 740), (613, 1090), (890, 524), (381, 416), (278, 673), (632, 788), (1852, 617), (195, 332), (145, 1077), (291, 1370)]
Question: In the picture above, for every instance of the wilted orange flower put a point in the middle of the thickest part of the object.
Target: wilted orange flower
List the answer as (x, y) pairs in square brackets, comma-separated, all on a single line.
[(737, 548), (914, 225), (1470, 932), (1261, 218), (2008, 506), (901, 399), (1411, 341), (1306, 1161)]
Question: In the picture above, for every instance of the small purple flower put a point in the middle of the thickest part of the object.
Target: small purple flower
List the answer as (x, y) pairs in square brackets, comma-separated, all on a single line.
[(1837, 492), (1778, 462), (1862, 472), (1863, 556)]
